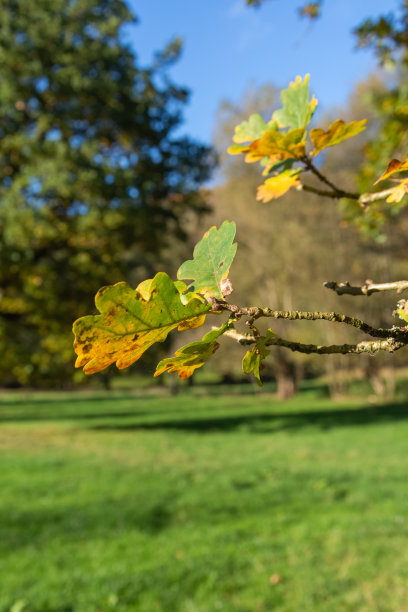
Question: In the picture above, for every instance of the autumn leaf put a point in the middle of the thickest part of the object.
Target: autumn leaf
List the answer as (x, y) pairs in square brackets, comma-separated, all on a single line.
[(399, 191), (277, 146), (213, 256), (310, 10), (337, 132), (394, 166), (273, 166), (192, 356), (252, 129), (297, 110), (277, 186), (237, 149), (131, 321), (253, 358)]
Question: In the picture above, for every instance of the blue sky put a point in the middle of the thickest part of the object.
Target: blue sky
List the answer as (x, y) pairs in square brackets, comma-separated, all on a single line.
[(229, 48)]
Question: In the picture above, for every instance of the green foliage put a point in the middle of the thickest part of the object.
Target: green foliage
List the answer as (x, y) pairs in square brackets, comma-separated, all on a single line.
[(131, 321), (253, 358), (193, 355), (252, 129), (297, 108), (213, 257), (94, 185)]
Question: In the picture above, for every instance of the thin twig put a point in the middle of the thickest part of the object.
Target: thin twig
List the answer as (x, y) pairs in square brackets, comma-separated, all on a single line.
[(255, 312), (367, 288), (368, 198), (390, 345), (337, 193)]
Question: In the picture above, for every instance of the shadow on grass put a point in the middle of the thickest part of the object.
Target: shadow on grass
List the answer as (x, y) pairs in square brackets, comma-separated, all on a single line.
[(260, 422), (150, 514)]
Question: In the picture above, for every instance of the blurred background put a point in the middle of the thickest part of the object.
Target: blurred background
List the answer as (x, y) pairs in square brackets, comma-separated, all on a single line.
[(115, 118)]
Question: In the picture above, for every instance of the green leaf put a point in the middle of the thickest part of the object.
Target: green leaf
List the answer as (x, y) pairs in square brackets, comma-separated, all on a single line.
[(252, 129), (271, 166), (213, 256), (192, 356), (131, 321), (253, 358), (337, 132), (297, 110)]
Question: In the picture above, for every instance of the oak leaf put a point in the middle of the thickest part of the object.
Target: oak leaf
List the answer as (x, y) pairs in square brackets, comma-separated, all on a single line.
[(252, 129), (399, 191), (211, 262), (394, 166), (277, 146), (337, 132), (131, 321), (192, 356), (253, 358), (297, 109), (277, 186)]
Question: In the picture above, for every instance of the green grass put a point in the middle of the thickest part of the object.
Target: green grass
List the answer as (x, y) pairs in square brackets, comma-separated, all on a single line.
[(196, 503)]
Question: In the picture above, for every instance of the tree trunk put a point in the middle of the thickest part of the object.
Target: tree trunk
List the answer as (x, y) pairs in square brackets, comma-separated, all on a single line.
[(285, 372)]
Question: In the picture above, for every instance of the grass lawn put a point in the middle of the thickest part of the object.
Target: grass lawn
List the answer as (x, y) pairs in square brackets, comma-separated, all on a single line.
[(202, 503)]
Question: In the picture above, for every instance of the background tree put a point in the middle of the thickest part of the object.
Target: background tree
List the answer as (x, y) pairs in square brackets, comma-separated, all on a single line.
[(94, 183)]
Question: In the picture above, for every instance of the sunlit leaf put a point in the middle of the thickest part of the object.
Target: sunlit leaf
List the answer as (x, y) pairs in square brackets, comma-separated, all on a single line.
[(277, 146), (402, 310), (131, 321), (399, 191), (252, 129), (192, 356), (277, 186), (337, 132), (297, 109), (393, 167), (253, 358), (213, 256), (237, 149)]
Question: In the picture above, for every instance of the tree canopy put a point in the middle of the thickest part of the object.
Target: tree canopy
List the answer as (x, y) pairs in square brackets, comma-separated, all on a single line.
[(94, 180)]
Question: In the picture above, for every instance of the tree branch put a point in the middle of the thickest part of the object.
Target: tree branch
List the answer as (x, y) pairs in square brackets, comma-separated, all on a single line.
[(367, 288), (320, 192), (363, 199), (389, 345), (368, 198), (336, 192), (255, 312)]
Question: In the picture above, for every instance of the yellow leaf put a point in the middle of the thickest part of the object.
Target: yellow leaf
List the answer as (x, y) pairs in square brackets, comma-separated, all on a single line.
[(394, 166), (237, 149), (399, 191), (277, 146), (337, 132), (277, 186)]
